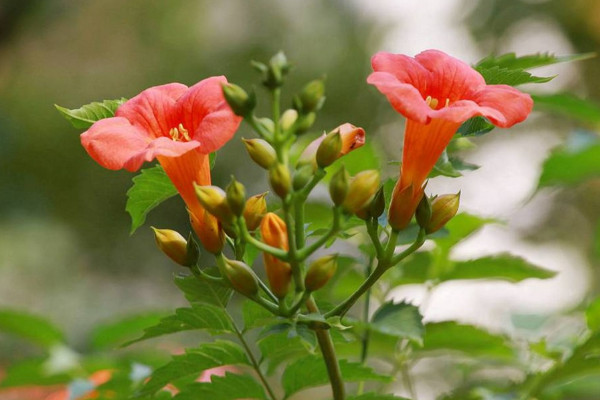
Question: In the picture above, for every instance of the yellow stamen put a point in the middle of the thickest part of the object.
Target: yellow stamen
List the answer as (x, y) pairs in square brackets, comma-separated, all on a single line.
[(447, 102), (179, 134), (431, 102)]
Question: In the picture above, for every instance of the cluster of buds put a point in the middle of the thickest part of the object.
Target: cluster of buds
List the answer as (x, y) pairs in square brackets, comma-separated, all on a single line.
[(358, 194)]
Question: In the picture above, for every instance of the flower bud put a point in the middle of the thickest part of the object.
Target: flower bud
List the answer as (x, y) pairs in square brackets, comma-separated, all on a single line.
[(320, 272), (338, 186), (329, 149), (274, 233), (240, 102), (377, 204), (351, 137), (175, 246), (311, 98), (403, 205), (214, 201), (280, 180), (443, 209), (209, 231), (241, 277), (304, 122), (423, 213), (236, 196), (261, 152), (288, 118), (275, 71), (361, 190), (302, 176), (256, 207)]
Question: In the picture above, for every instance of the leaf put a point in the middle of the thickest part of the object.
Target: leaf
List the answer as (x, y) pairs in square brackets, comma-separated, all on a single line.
[(572, 166), (228, 387), (31, 327), (279, 347), (254, 315), (31, 372), (498, 267), (476, 342), (207, 317), (113, 334), (197, 291), (513, 77), (570, 105), (460, 227), (402, 320), (476, 126), (85, 116), (375, 396), (510, 60), (311, 371), (450, 166), (212, 159), (150, 188), (592, 315), (194, 362)]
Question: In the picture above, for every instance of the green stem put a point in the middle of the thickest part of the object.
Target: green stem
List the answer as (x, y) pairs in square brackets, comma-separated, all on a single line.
[(328, 351), (259, 128), (372, 227), (274, 251), (305, 252), (366, 337), (407, 381)]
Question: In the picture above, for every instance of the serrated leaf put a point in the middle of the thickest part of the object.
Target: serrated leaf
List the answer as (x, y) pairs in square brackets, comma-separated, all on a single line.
[(497, 267), (207, 317), (468, 339), (279, 348), (115, 333), (228, 387), (150, 188), (401, 320), (255, 316), (513, 77), (31, 327), (311, 371), (197, 291), (570, 105), (510, 60), (194, 362), (476, 126), (572, 165), (85, 116)]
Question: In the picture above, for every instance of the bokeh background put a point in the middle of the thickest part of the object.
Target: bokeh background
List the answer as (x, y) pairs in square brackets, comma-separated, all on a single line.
[(65, 248)]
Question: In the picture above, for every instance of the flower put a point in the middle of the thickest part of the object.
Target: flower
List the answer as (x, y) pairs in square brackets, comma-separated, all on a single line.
[(352, 138), (177, 125), (436, 93)]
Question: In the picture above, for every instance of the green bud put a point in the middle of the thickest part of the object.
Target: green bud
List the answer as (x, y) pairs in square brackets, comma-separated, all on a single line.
[(361, 191), (280, 180), (288, 118), (267, 123), (320, 272), (443, 209), (330, 148), (423, 213), (312, 97), (276, 70), (261, 152), (377, 205), (214, 201), (338, 186), (241, 277), (176, 247), (302, 176), (240, 102), (305, 122), (236, 196)]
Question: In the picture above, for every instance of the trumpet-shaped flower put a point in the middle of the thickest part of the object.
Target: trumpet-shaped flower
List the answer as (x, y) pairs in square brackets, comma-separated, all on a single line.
[(436, 93), (177, 125)]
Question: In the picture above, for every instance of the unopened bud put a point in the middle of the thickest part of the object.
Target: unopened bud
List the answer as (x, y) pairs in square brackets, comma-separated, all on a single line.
[(377, 204), (280, 180), (339, 185), (274, 233), (423, 213), (361, 190), (443, 209), (236, 196), (329, 149), (403, 205), (241, 277), (175, 246), (312, 97), (288, 118), (214, 201), (240, 102), (256, 207), (276, 70), (320, 272), (302, 176), (305, 122), (261, 152), (208, 229), (267, 123)]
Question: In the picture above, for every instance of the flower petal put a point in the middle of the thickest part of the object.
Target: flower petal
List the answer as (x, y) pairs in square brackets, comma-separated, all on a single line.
[(405, 69), (450, 78), (112, 142), (162, 146), (514, 105), (154, 110)]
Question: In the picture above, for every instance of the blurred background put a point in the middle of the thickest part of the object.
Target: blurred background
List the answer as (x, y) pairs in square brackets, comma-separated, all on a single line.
[(65, 248)]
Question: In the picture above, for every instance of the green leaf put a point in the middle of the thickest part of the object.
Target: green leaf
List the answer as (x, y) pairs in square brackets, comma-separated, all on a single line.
[(211, 318), (592, 315), (402, 320), (572, 165), (85, 116), (498, 267), (255, 316), (461, 227), (31, 372), (150, 188), (194, 362), (280, 347), (113, 334), (31, 327), (512, 77), (450, 166), (476, 342), (212, 159), (476, 126), (510, 60), (375, 396), (201, 292), (228, 387), (569, 105), (311, 371)]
